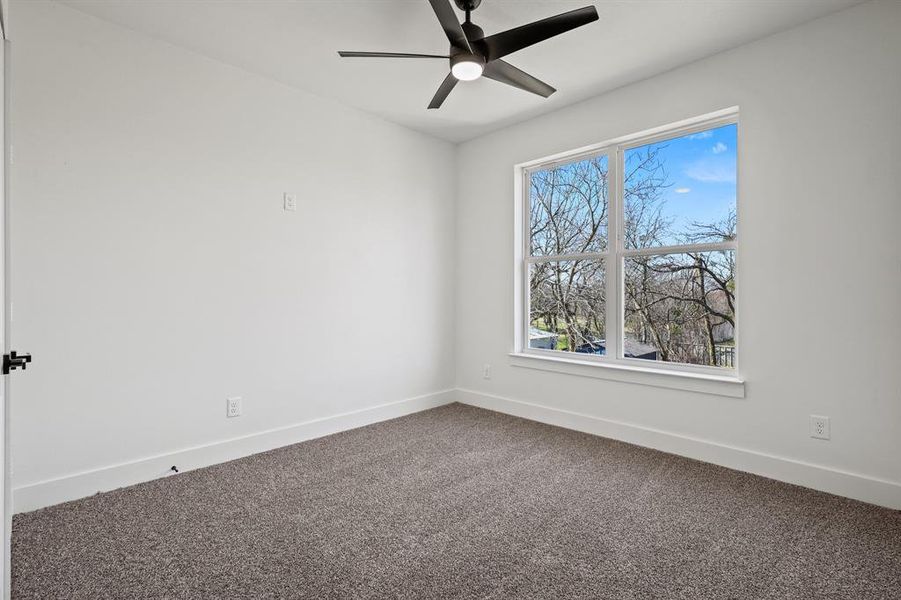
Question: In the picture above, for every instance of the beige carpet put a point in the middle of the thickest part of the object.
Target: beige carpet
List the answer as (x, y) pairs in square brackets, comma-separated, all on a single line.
[(459, 502)]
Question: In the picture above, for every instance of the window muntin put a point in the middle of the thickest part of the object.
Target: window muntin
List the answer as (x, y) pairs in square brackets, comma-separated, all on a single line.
[(653, 224)]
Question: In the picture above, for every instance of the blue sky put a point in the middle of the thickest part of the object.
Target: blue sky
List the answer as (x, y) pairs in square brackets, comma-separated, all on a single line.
[(701, 169)]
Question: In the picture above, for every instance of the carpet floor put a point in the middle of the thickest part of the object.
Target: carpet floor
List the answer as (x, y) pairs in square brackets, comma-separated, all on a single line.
[(459, 502)]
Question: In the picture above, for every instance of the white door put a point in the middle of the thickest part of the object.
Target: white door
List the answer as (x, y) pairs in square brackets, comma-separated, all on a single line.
[(5, 488)]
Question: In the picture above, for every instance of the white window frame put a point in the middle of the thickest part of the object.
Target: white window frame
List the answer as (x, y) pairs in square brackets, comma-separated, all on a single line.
[(717, 380)]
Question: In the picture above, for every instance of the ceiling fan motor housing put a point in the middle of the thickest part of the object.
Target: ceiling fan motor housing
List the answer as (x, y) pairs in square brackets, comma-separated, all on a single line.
[(474, 55), (472, 31), (474, 34)]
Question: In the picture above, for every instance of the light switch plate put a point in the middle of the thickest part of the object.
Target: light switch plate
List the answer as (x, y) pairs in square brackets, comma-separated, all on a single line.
[(290, 201)]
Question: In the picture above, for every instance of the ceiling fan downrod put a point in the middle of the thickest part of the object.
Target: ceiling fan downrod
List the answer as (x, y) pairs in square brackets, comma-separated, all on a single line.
[(467, 6)]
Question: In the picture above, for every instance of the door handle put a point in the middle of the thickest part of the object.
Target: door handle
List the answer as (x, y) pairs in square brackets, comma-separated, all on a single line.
[(14, 360)]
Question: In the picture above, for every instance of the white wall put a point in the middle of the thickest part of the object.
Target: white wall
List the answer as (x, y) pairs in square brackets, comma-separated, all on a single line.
[(819, 262), (154, 272)]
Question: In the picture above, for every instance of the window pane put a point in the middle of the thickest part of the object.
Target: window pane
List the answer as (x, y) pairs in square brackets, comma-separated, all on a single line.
[(569, 208), (681, 308), (681, 190), (566, 309)]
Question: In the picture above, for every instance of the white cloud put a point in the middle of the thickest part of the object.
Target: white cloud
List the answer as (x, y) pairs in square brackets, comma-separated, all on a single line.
[(683, 190), (710, 172), (701, 135), (719, 148)]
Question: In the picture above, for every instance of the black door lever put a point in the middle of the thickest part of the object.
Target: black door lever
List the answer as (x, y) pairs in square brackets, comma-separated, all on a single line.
[(14, 360)]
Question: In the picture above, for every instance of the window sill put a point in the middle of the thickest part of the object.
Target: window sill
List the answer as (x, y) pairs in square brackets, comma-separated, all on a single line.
[(719, 385)]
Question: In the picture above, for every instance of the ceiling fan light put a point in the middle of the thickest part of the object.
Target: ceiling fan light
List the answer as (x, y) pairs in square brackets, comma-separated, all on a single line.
[(467, 70)]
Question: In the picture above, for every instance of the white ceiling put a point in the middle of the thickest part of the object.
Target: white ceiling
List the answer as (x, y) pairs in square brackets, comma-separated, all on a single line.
[(295, 42)]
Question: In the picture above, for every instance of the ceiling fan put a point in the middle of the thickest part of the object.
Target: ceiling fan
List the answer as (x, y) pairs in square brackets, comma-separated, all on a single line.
[(473, 55)]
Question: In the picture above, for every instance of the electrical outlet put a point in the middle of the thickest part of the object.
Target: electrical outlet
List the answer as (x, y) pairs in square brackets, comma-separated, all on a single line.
[(819, 427), (233, 407), (290, 201), (486, 371)]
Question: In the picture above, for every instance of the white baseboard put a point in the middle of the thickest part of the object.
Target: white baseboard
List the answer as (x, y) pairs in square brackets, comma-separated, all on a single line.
[(86, 483), (79, 485), (842, 483)]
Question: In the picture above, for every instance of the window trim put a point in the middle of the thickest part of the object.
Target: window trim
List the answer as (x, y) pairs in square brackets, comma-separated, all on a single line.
[(613, 257)]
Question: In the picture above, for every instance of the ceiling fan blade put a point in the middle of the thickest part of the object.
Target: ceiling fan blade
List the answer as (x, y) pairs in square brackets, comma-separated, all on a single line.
[(441, 95), (346, 54), (506, 42), (452, 28), (504, 72)]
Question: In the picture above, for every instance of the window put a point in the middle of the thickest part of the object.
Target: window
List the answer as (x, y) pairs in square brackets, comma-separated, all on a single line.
[(628, 252)]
